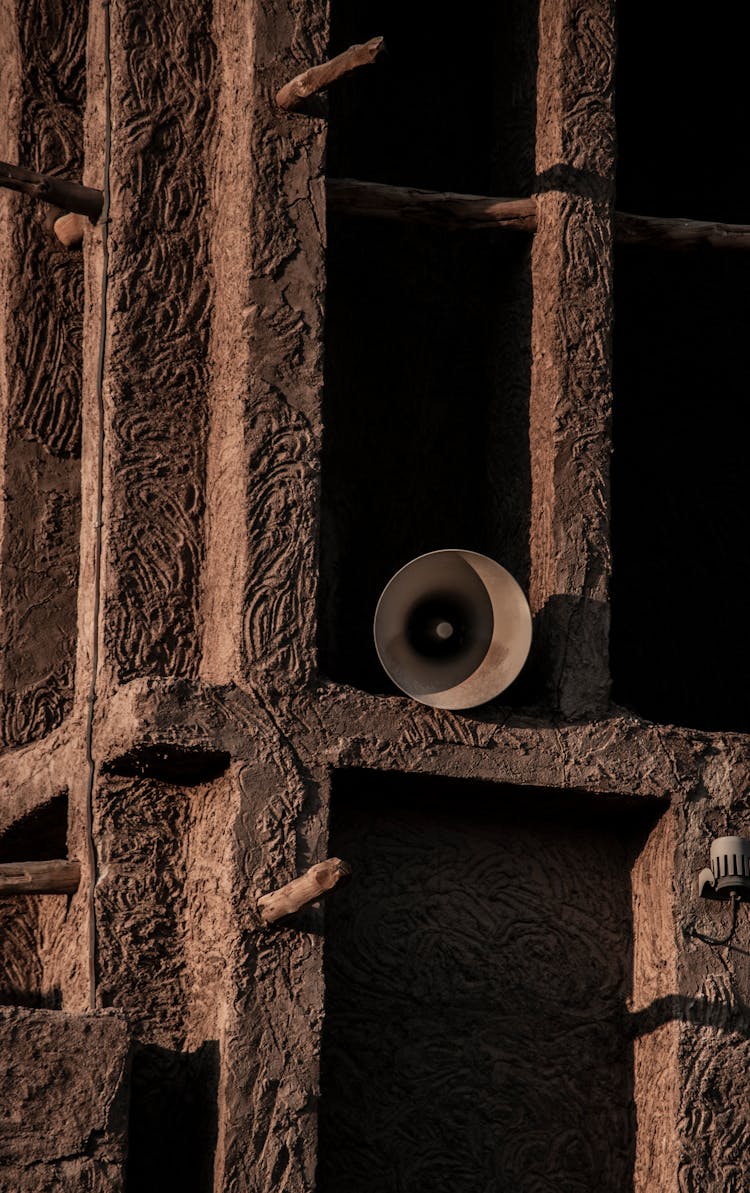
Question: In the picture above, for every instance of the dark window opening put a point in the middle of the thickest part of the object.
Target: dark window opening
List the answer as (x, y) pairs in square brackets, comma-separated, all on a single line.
[(680, 643), (681, 103), (427, 341)]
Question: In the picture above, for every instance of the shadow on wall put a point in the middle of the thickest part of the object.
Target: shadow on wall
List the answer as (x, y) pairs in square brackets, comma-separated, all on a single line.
[(567, 626), (17, 996), (173, 1125), (732, 1017)]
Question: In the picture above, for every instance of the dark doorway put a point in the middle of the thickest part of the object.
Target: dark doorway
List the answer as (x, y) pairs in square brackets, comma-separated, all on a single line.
[(477, 969)]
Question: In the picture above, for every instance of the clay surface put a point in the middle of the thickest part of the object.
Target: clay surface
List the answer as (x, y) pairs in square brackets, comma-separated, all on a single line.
[(225, 424), (63, 1101)]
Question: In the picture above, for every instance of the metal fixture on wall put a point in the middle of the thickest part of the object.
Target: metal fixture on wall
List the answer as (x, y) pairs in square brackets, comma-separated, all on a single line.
[(728, 878), (729, 872), (452, 629)]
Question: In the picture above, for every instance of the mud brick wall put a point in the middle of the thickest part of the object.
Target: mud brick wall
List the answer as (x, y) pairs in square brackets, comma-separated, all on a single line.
[(63, 1100), (225, 422)]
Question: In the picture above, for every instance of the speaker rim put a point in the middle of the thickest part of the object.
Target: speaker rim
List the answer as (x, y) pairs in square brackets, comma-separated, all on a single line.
[(480, 685)]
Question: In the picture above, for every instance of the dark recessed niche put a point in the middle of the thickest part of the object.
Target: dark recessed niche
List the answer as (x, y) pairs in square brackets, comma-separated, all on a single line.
[(680, 643), (29, 924), (477, 972), (40, 836), (681, 105), (427, 340), (426, 440), (450, 106)]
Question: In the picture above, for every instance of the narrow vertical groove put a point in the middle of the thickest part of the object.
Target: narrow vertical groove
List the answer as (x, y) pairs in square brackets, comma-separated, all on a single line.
[(91, 704)]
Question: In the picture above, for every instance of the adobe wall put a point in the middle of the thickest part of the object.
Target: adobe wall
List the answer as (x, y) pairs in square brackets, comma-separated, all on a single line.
[(192, 533)]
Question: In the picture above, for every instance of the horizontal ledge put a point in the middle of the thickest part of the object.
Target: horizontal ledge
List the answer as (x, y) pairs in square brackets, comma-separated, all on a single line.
[(294, 93), (39, 878), (450, 209), (70, 196)]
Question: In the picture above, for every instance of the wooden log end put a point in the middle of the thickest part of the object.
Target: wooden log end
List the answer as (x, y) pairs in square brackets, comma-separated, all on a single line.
[(317, 882), (58, 877), (69, 229)]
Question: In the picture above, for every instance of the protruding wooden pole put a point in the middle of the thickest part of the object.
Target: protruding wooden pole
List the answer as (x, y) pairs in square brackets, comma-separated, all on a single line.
[(70, 196), (445, 209), (672, 233), (39, 878), (319, 880), (317, 78), (451, 210)]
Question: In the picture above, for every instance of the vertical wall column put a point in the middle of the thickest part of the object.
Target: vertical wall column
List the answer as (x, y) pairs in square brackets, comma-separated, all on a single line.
[(571, 386), (155, 359), (260, 577), (268, 239), (42, 96)]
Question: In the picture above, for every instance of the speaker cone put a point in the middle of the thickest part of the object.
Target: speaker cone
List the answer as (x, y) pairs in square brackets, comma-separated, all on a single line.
[(452, 629)]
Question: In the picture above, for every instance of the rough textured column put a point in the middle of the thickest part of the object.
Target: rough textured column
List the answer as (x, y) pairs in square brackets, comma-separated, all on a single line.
[(654, 1032), (270, 1083), (267, 249), (41, 96), (570, 389), (159, 290), (712, 1010)]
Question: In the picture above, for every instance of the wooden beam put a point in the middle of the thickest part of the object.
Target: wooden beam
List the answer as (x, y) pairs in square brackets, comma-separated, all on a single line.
[(319, 880), (671, 233), (445, 209), (449, 209), (39, 878), (70, 196), (317, 78)]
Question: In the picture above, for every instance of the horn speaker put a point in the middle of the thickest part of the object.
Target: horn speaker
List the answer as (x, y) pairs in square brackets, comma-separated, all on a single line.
[(452, 629)]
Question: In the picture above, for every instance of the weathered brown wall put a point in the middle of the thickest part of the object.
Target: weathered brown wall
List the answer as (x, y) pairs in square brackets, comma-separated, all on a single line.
[(63, 1101), (206, 483)]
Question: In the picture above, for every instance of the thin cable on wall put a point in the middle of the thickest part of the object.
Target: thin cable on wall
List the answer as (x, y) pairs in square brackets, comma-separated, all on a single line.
[(89, 811)]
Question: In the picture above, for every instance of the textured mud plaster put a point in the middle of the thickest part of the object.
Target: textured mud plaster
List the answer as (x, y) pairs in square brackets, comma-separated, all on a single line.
[(41, 97), (215, 735), (571, 397), (63, 1101), (489, 942)]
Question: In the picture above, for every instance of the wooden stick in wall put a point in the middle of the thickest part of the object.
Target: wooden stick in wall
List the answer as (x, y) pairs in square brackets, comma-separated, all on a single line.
[(69, 229), (317, 78), (70, 196), (319, 880), (445, 209), (39, 878), (671, 233), (448, 209)]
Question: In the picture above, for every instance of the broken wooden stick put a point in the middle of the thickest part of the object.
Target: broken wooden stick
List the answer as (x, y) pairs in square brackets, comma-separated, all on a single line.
[(39, 878), (69, 229), (70, 196), (317, 78), (445, 209), (319, 880)]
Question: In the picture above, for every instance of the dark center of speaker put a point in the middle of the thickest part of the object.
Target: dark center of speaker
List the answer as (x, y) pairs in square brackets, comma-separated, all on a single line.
[(438, 627)]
